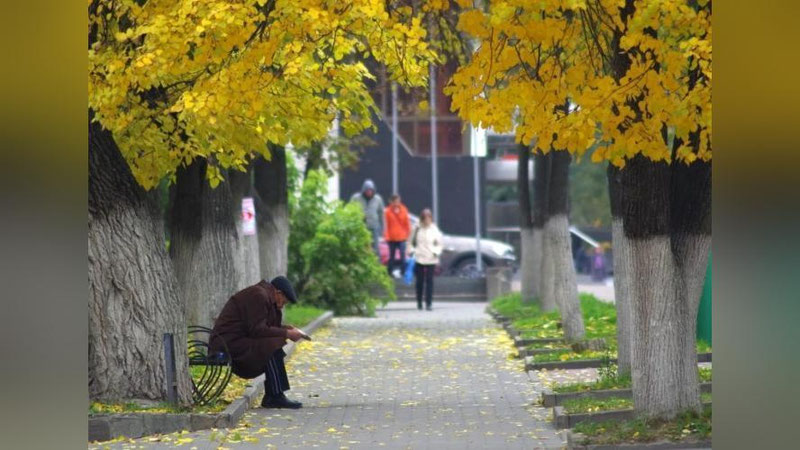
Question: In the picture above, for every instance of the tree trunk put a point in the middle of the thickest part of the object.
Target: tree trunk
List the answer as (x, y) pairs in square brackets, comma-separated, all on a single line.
[(622, 283), (204, 243), (544, 263), (133, 296), (565, 284), (247, 261), (527, 262), (272, 213), (668, 223)]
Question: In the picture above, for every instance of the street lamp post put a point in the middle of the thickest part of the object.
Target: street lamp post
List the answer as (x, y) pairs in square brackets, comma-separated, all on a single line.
[(434, 175), (395, 189)]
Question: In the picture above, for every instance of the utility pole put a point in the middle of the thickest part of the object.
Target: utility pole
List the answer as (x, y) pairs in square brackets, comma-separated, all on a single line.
[(434, 175), (477, 146), (395, 189)]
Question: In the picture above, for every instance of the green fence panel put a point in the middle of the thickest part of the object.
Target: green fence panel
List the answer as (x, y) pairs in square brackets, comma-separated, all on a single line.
[(704, 311)]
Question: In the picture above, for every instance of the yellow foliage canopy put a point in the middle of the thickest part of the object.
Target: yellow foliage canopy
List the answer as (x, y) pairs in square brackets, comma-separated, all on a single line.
[(179, 79), (634, 75)]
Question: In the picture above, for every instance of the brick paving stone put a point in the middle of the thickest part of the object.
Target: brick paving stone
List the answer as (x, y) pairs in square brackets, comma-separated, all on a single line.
[(444, 379)]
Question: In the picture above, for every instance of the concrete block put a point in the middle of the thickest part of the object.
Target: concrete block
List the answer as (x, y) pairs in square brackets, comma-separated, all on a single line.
[(99, 428), (128, 425), (201, 421)]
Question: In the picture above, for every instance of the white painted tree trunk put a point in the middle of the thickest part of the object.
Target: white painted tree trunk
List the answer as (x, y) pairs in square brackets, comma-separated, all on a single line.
[(565, 284), (528, 265), (667, 219), (273, 241), (623, 291), (664, 317), (272, 214), (547, 293), (247, 263), (537, 256), (133, 295), (204, 244)]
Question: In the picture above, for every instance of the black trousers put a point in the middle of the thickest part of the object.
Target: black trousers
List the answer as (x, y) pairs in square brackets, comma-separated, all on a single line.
[(424, 274), (275, 379), (395, 247)]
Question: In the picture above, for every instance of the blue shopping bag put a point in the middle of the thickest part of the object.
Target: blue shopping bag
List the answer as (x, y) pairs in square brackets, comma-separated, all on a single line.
[(409, 275)]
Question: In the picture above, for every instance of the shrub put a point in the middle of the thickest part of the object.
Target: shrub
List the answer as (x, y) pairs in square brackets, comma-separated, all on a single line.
[(340, 265), (331, 262), (306, 212)]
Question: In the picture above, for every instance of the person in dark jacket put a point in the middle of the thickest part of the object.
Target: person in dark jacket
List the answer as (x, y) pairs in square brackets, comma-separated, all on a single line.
[(250, 326), (372, 204)]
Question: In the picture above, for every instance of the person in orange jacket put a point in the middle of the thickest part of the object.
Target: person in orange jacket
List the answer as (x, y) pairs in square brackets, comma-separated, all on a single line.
[(398, 227)]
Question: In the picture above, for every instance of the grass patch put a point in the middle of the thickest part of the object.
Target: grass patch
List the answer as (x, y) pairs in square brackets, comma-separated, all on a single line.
[(561, 354), (589, 404), (511, 306), (614, 381), (547, 346), (300, 315), (569, 355), (687, 426), (619, 382), (703, 346), (600, 318)]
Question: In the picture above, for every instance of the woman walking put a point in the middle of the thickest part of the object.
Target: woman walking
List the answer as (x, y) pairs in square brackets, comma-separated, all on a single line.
[(425, 244)]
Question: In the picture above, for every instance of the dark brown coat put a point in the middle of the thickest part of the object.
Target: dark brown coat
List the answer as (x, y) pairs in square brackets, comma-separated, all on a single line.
[(250, 325)]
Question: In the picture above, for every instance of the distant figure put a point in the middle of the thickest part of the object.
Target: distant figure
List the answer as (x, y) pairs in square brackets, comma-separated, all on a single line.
[(373, 207), (250, 326), (425, 243), (398, 227), (598, 265)]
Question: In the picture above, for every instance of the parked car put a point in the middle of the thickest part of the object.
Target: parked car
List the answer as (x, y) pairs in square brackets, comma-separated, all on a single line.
[(459, 254)]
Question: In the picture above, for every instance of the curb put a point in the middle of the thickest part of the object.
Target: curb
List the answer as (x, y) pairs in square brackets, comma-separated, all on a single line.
[(524, 342), (550, 399), (574, 439), (523, 352), (104, 427), (574, 364), (562, 419), (584, 363)]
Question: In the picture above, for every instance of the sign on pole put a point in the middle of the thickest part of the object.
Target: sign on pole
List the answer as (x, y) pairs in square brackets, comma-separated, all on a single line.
[(248, 216), (477, 141)]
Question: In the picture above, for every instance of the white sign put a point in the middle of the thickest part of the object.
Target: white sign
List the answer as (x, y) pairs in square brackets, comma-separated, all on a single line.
[(477, 141), (248, 217)]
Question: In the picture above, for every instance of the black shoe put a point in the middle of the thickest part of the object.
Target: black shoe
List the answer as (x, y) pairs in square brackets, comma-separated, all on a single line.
[(279, 401), (419, 307), (429, 308)]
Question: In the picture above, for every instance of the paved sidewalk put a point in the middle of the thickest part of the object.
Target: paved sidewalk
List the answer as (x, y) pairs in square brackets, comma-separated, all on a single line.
[(406, 379)]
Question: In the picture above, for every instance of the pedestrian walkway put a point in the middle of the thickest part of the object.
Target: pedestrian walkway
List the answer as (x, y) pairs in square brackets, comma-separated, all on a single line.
[(406, 379)]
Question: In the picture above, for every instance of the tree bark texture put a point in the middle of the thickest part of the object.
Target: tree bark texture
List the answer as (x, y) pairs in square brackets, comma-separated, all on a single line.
[(204, 243), (667, 219), (247, 260), (272, 213), (527, 262), (541, 186), (133, 295), (623, 290), (565, 283)]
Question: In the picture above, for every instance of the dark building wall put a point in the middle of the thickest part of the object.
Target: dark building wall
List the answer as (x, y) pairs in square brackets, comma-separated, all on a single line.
[(456, 203)]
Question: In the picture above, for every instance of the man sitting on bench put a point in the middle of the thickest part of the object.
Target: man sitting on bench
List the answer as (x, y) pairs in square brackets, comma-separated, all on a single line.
[(250, 325)]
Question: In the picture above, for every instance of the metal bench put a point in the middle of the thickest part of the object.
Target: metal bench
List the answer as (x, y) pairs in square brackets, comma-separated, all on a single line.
[(211, 383)]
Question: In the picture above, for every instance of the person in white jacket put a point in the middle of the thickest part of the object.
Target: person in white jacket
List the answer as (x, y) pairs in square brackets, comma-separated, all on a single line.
[(425, 244)]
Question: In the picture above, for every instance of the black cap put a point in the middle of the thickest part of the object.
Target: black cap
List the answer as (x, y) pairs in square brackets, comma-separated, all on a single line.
[(283, 284)]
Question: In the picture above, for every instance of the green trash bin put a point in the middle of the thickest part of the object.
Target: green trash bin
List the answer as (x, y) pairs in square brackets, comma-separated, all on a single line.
[(704, 311)]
